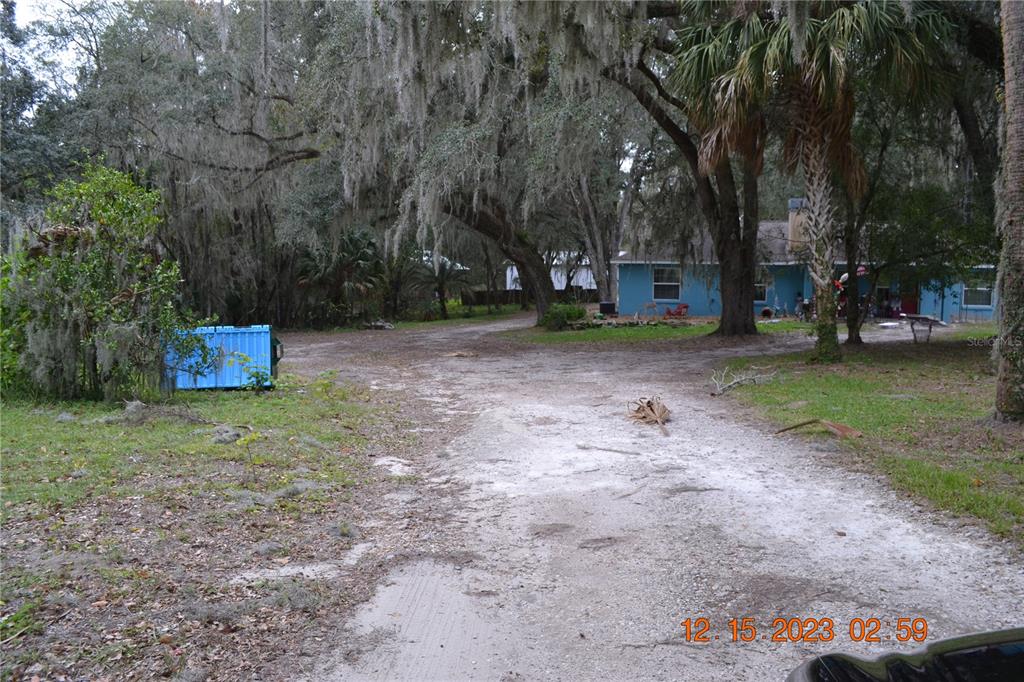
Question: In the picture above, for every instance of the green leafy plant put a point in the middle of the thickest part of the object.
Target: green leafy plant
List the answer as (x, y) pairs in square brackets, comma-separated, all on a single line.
[(559, 315), (247, 442), (13, 319), (94, 308), (258, 377)]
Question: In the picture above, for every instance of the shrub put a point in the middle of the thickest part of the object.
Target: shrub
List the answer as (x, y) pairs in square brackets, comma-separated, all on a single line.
[(14, 379), (559, 315), (94, 303)]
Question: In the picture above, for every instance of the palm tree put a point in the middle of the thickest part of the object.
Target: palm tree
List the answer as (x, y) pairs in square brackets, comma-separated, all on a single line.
[(1010, 349), (443, 278), (348, 276), (807, 62)]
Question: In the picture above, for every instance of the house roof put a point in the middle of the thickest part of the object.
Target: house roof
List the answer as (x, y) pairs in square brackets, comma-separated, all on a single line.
[(773, 246)]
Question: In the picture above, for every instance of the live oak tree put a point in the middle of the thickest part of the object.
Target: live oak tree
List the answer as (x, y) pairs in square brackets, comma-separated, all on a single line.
[(275, 129), (588, 47), (1010, 342), (484, 136)]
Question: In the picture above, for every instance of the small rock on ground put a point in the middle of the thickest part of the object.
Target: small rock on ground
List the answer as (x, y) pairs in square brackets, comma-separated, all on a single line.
[(193, 674), (225, 435), (268, 548)]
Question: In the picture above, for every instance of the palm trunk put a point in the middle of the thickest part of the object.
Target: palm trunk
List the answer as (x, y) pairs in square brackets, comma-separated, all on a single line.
[(820, 235), (1009, 350), (442, 298)]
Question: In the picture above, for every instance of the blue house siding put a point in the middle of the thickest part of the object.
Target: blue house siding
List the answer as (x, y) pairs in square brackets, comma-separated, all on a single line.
[(783, 285), (946, 303), (700, 289)]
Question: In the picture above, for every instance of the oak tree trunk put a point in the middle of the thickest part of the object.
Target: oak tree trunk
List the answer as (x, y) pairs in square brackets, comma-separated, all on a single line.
[(735, 242), (1009, 349), (736, 250), (491, 220)]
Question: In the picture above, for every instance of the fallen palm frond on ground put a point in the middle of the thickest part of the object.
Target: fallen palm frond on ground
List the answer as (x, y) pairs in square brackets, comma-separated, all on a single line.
[(727, 379), (649, 411), (841, 430)]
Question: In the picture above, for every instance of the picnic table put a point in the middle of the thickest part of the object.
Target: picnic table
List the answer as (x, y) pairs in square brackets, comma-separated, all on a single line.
[(923, 320)]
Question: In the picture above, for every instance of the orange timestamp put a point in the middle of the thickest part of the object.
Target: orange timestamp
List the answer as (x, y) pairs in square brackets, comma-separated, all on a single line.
[(783, 629)]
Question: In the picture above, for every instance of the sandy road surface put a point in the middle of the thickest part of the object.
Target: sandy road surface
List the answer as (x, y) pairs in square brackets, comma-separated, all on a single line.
[(578, 541)]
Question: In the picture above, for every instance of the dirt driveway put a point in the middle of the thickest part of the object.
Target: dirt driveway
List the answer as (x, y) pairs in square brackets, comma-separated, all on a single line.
[(573, 542)]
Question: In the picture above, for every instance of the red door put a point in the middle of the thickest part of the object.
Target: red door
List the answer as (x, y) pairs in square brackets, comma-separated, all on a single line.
[(908, 301)]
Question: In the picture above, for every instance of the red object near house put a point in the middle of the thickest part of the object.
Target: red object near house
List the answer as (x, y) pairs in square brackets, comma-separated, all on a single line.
[(679, 311), (909, 303)]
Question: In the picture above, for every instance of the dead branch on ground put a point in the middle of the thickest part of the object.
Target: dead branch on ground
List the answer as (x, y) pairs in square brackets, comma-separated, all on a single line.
[(728, 379), (841, 430)]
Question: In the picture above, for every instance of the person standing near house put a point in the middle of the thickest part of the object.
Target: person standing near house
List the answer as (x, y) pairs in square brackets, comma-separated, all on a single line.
[(798, 307)]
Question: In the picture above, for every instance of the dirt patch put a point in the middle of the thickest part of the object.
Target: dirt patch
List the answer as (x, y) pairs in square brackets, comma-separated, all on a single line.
[(682, 489), (548, 529), (592, 566), (601, 543)]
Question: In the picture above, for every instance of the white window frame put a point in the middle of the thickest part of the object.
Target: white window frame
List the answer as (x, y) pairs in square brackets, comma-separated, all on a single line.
[(678, 284), (976, 306), (763, 286)]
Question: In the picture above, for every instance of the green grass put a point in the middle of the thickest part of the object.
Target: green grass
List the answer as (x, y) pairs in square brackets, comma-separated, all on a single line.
[(977, 331), (458, 313), (960, 490), (129, 503), (784, 327), (611, 334), (924, 411), (49, 464), (627, 334)]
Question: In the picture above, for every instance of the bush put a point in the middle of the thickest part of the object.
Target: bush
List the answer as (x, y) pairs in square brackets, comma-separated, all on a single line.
[(14, 379), (94, 303), (559, 315)]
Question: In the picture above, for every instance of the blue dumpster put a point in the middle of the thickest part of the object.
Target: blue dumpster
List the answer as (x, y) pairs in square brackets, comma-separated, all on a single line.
[(243, 355)]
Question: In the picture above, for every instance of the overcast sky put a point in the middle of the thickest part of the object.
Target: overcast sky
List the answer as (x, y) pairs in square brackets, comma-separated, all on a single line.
[(27, 11)]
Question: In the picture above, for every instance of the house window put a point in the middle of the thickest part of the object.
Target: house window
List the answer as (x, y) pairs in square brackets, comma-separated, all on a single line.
[(760, 293), (977, 297), (666, 284)]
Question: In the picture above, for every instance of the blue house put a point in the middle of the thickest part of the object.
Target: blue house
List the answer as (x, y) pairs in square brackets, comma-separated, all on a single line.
[(656, 281)]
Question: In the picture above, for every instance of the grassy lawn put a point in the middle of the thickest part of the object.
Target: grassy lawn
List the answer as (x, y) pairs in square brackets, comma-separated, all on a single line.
[(112, 519), (50, 464), (660, 332), (459, 313), (973, 332), (924, 411)]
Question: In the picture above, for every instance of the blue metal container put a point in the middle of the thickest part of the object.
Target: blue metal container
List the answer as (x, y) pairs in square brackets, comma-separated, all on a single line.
[(243, 357)]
